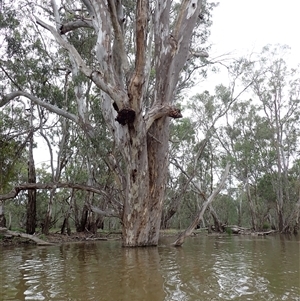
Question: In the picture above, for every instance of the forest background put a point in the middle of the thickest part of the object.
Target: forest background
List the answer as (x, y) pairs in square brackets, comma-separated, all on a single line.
[(249, 121)]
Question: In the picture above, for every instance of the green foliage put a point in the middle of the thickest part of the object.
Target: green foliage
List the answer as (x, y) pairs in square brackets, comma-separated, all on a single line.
[(183, 131), (8, 19), (228, 231), (265, 188), (12, 150)]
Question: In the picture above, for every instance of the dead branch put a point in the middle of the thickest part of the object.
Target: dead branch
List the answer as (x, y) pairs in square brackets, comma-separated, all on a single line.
[(180, 240), (159, 111), (75, 25), (107, 213), (34, 238), (14, 192)]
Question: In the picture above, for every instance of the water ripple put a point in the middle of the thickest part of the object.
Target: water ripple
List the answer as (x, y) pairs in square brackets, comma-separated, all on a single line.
[(205, 268)]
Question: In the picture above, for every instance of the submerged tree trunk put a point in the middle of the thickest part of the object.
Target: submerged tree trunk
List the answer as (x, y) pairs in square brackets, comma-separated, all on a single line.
[(66, 224), (252, 206), (217, 222), (31, 204), (48, 217), (2, 216)]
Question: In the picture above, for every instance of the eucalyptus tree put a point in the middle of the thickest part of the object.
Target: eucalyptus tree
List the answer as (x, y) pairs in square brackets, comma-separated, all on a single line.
[(25, 66), (203, 163), (276, 86), (261, 133), (181, 152), (13, 150), (244, 137), (132, 76)]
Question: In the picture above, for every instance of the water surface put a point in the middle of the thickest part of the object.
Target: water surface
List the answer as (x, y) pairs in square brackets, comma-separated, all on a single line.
[(204, 268)]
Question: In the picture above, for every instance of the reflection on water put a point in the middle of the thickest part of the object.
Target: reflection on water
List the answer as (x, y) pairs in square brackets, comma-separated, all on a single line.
[(205, 268)]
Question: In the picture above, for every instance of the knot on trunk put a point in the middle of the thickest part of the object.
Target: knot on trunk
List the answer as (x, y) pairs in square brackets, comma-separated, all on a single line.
[(174, 113), (125, 116)]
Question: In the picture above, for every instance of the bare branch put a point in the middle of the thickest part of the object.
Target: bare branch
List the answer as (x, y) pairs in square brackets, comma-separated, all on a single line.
[(159, 111), (75, 25), (14, 192), (37, 240), (180, 240), (83, 67), (108, 213), (120, 58), (95, 76), (10, 78), (48, 106)]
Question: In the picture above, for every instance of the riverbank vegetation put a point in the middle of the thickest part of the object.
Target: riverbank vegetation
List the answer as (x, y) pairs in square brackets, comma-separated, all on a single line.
[(126, 149)]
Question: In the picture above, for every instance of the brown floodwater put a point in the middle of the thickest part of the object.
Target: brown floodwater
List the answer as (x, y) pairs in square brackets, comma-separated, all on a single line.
[(204, 268)]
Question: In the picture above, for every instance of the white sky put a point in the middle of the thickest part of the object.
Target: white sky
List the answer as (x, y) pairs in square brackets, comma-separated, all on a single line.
[(240, 25)]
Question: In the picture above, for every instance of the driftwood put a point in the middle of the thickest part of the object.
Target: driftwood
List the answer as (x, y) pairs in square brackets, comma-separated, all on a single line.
[(34, 238), (237, 229), (264, 233), (241, 230), (96, 238)]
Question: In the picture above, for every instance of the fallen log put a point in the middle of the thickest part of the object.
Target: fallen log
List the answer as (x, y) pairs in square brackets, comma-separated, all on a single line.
[(264, 233), (34, 238), (237, 229), (96, 238), (241, 230)]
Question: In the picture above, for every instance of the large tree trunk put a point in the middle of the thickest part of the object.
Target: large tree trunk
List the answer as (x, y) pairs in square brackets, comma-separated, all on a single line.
[(146, 180), (158, 167)]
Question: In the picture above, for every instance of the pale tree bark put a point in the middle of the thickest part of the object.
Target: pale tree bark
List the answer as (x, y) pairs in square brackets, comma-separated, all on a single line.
[(180, 240), (140, 134)]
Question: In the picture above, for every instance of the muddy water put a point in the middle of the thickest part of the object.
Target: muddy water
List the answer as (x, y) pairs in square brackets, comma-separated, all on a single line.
[(205, 268)]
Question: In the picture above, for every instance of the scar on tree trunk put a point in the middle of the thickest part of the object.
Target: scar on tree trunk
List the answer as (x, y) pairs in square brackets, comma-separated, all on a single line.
[(125, 116)]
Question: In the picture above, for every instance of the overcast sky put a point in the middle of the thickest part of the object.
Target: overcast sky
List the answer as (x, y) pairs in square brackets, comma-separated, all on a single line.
[(241, 25)]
